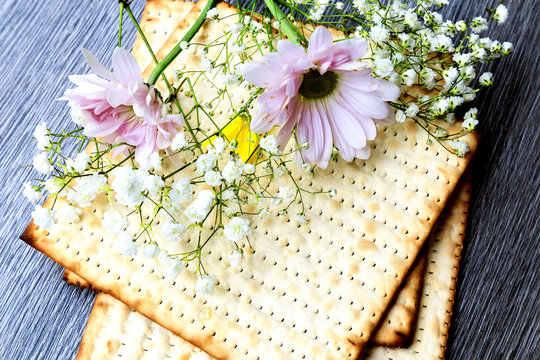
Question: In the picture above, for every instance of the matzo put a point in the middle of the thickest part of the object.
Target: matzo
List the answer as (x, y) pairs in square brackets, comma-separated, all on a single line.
[(159, 20), (107, 331), (318, 291), (395, 329)]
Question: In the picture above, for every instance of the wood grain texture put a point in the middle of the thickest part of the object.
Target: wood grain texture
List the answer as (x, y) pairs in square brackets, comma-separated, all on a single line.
[(496, 307)]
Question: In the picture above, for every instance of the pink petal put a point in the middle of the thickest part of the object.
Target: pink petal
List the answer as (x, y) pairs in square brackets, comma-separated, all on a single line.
[(365, 103), (119, 96), (363, 153), (387, 90), (319, 44), (96, 66), (125, 66), (106, 127)]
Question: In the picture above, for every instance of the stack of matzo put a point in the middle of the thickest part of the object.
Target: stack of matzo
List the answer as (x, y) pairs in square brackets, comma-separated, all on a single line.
[(318, 291)]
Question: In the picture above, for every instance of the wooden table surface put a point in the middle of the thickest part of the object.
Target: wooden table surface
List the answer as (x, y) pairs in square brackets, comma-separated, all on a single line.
[(497, 310)]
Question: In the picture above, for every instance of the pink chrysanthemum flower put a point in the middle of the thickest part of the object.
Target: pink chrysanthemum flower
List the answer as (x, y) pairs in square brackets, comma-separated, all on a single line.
[(329, 96), (120, 107)]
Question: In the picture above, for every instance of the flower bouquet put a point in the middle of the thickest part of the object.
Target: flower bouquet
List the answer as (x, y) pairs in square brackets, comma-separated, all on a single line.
[(262, 188)]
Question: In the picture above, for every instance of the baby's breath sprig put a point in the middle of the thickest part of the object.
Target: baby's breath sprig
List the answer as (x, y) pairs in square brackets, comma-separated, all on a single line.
[(434, 61)]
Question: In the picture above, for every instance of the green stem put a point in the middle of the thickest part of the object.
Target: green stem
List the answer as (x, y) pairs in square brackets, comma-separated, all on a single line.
[(287, 27), (120, 24), (163, 64), (169, 87)]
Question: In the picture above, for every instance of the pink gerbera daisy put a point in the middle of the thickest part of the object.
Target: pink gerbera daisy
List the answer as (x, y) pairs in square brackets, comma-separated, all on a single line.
[(120, 107), (326, 94)]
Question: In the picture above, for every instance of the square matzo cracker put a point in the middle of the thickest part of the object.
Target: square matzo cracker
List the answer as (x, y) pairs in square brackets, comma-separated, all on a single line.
[(318, 290)]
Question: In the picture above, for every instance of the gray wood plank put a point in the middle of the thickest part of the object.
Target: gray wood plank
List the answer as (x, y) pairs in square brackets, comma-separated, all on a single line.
[(496, 312)]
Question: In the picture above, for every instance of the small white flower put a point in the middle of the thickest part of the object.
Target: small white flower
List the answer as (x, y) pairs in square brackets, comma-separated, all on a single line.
[(412, 110), (450, 118), (306, 167), (41, 130), (501, 14), (462, 59), (428, 76), (235, 257), (339, 5), (198, 209), (237, 229), (507, 48), (68, 214), (128, 185), (207, 64), (173, 231), (408, 77), (87, 189), (454, 101), (332, 192), (440, 3), (469, 124), (238, 49), (217, 147), (442, 43), (269, 144), (153, 183), (151, 250), (43, 217), (228, 195), (486, 79), (42, 135), (179, 142), (479, 53), (379, 34), (230, 79), (43, 164), (257, 26), (450, 75), (78, 116), (81, 162), (284, 195), (173, 267), (471, 114), (280, 171), (184, 44), (440, 132), (384, 67), (461, 25), (125, 245), (181, 191), (411, 19), (44, 143), (235, 28), (155, 161), (461, 148), (249, 169), (212, 178), (400, 116), (230, 212), (204, 285), (205, 162), (301, 218), (440, 107), (32, 193), (54, 185), (233, 171), (113, 222), (213, 13), (479, 24)]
